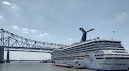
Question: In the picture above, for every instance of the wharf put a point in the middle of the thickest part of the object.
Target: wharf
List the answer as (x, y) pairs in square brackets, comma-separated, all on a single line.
[(63, 65)]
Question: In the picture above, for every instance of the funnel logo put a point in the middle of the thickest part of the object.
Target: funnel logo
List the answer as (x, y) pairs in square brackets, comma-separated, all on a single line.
[(84, 34)]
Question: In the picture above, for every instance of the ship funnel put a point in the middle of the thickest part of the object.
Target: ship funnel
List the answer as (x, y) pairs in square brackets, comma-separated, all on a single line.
[(84, 34)]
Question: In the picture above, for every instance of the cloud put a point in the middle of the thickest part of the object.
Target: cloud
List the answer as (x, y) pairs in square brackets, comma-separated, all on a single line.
[(15, 27), (44, 34), (13, 6), (6, 3), (122, 16), (30, 31), (2, 17), (25, 30), (70, 40), (41, 35), (34, 31)]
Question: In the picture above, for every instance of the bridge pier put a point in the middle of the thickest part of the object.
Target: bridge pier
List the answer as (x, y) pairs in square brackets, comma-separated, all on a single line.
[(8, 60), (2, 55)]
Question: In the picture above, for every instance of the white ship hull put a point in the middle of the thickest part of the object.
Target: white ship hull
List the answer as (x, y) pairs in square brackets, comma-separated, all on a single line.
[(96, 66), (101, 64), (111, 58)]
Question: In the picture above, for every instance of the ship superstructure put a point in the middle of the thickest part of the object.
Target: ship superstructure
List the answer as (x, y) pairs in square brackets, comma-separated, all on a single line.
[(99, 54)]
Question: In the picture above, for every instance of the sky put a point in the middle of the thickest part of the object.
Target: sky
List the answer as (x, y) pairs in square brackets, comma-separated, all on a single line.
[(58, 21)]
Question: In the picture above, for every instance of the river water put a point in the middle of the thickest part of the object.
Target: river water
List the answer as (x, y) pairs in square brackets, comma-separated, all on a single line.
[(35, 67)]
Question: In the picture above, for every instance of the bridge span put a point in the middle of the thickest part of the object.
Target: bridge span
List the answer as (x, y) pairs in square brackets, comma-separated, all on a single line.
[(13, 42)]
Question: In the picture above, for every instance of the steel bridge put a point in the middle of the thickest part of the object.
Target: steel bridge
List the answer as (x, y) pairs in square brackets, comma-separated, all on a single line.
[(13, 42)]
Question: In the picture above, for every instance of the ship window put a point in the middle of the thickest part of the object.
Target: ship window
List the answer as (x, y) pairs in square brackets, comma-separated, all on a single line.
[(109, 54), (100, 55), (125, 55), (109, 58), (95, 42), (119, 52), (120, 47), (100, 41), (121, 58), (99, 58)]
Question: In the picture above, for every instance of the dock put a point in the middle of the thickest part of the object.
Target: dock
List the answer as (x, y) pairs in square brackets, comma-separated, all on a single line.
[(64, 65)]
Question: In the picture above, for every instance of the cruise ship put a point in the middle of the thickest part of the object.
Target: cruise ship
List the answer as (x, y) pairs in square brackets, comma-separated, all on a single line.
[(97, 54)]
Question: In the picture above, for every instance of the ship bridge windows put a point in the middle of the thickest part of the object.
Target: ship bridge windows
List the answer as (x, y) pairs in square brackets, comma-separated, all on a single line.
[(125, 54), (116, 49), (117, 54), (108, 54), (112, 55), (100, 55), (81, 46), (105, 42), (85, 48), (110, 45), (111, 42), (111, 48), (113, 58), (119, 51), (121, 47)]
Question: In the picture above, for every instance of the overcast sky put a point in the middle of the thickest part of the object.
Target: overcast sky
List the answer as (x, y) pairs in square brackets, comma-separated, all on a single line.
[(58, 21)]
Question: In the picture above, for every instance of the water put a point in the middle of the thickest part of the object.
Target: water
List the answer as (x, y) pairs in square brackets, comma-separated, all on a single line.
[(35, 67)]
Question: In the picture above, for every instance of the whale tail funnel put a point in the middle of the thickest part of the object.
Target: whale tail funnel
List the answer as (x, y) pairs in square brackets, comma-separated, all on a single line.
[(84, 34)]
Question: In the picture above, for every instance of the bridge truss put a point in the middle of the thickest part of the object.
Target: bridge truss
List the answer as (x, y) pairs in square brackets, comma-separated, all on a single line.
[(17, 43)]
